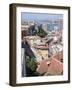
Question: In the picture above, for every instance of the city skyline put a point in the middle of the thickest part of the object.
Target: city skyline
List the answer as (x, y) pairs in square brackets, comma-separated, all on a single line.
[(40, 17)]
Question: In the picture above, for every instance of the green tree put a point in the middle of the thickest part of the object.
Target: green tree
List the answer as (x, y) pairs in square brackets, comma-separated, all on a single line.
[(41, 32), (31, 66)]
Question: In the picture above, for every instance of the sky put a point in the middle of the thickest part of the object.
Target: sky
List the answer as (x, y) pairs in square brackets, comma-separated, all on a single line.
[(39, 16)]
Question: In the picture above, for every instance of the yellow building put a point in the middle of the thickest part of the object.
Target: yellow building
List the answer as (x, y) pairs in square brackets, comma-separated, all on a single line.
[(43, 53)]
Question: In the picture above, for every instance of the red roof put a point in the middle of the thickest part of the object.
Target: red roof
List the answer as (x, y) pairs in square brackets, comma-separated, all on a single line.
[(54, 68)]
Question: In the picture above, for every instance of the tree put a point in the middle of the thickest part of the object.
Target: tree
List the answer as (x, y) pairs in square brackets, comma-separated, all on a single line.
[(41, 32), (31, 66)]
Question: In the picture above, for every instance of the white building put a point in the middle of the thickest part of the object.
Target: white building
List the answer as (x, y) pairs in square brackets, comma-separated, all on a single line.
[(45, 27)]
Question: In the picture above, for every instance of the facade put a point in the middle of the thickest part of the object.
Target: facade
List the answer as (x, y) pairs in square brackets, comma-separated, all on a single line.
[(39, 49), (45, 27)]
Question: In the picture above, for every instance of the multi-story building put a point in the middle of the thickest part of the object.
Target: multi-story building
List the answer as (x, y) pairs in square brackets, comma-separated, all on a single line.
[(45, 27), (28, 28)]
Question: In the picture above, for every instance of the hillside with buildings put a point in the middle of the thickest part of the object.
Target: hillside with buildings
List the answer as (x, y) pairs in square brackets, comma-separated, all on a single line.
[(42, 46)]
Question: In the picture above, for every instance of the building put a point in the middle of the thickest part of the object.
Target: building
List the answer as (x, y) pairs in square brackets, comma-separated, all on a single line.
[(28, 28), (24, 29), (39, 48), (52, 67), (45, 27)]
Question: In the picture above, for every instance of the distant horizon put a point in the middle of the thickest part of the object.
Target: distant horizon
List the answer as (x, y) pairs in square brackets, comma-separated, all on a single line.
[(44, 17)]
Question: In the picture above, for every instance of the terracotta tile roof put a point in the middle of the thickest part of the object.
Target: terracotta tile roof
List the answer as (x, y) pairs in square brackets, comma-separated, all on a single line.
[(59, 56), (41, 47), (42, 67), (55, 67)]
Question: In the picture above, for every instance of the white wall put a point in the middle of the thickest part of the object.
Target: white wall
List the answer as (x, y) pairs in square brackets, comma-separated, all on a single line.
[(4, 44)]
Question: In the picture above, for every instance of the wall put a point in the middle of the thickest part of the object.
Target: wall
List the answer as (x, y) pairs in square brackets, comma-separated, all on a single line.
[(4, 44)]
